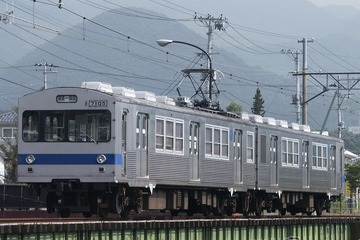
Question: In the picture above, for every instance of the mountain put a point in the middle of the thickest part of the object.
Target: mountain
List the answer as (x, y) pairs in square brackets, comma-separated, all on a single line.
[(120, 47)]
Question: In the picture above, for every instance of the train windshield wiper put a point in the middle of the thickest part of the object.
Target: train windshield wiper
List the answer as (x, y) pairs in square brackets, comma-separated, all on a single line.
[(92, 139)]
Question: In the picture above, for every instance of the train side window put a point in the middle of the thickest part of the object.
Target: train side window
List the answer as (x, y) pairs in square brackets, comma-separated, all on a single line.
[(217, 142), (296, 153), (250, 150), (209, 144), (290, 152), (144, 131), (284, 151), (332, 157), (237, 142), (169, 138), (179, 137), (160, 134), (169, 135), (30, 126), (320, 156), (225, 143), (273, 149)]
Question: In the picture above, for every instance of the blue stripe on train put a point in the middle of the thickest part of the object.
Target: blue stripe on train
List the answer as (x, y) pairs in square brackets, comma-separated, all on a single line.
[(70, 159)]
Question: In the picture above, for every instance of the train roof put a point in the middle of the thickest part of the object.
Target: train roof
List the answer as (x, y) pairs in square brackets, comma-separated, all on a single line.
[(149, 98), (184, 103)]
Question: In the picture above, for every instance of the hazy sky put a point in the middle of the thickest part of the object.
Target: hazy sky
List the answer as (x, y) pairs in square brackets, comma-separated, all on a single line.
[(354, 3)]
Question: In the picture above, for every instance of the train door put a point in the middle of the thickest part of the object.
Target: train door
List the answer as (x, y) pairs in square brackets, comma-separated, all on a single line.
[(274, 163), (238, 156), (142, 121), (194, 151), (332, 167), (306, 165), (124, 141), (341, 168)]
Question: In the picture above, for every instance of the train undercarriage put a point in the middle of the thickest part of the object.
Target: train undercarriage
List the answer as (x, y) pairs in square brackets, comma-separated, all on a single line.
[(99, 199)]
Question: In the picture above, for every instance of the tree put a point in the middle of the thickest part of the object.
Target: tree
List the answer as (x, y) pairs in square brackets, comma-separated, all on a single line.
[(8, 151), (234, 107), (353, 175), (258, 104)]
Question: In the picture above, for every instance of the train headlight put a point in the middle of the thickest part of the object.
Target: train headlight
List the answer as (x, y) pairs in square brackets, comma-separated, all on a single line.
[(30, 159), (101, 159)]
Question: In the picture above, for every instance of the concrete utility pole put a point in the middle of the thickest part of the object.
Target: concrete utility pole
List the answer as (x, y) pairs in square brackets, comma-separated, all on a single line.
[(304, 41), (211, 23), (297, 98), (44, 64), (347, 82)]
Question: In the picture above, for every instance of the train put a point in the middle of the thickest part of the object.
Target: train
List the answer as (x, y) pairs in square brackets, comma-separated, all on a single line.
[(98, 149)]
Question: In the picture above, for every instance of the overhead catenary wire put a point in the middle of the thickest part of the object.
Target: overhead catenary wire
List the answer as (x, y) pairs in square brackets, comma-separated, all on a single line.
[(235, 26)]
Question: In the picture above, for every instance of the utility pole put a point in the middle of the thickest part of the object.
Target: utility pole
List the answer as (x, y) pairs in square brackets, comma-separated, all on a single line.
[(211, 23), (296, 98), (304, 41), (44, 64), (341, 124)]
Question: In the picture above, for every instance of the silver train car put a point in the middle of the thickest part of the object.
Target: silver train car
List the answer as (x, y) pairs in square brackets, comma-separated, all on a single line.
[(98, 149)]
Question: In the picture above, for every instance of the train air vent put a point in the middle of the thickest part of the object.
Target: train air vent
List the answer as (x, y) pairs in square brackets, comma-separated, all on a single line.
[(166, 100), (150, 96), (294, 126), (124, 91), (281, 123), (304, 128), (269, 120), (100, 86), (244, 116), (256, 118)]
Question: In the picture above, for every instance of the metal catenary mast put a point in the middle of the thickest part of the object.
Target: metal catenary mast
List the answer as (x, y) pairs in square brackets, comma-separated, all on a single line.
[(212, 23)]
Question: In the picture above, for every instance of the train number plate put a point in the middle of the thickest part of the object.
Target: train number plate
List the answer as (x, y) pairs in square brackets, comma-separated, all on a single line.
[(98, 103)]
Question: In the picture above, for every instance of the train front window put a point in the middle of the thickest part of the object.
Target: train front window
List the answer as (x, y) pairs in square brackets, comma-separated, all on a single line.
[(89, 126), (30, 126), (54, 126), (66, 126)]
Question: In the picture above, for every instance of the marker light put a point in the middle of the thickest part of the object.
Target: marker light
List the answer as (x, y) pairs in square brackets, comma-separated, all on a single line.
[(30, 159), (101, 159)]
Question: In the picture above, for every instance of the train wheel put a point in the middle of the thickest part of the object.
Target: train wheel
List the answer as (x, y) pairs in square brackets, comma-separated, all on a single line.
[(192, 207), (103, 212), (125, 213), (229, 211), (206, 210), (283, 211), (50, 202), (87, 214), (64, 212), (117, 203), (258, 206), (139, 202), (230, 207), (221, 210), (246, 204), (190, 213), (319, 207), (174, 212)]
